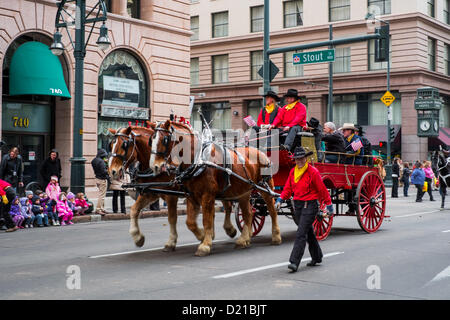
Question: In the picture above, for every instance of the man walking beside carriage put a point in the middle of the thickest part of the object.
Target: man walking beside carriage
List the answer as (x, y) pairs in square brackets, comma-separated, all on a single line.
[(308, 190)]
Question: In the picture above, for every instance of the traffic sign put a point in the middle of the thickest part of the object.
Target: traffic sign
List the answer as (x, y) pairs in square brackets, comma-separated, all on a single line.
[(387, 98), (314, 57), (273, 70)]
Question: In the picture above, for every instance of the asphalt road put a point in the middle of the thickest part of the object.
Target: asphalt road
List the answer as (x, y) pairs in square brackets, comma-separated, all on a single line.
[(407, 258)]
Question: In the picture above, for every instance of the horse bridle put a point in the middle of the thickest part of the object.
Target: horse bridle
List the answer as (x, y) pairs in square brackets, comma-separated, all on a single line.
[(131, 138), (165, 143)]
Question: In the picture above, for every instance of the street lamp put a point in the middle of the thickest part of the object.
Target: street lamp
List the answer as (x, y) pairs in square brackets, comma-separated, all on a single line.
[(79, 19), (385, 36)]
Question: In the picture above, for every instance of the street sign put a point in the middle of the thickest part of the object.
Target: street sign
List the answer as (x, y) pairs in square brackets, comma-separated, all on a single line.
[(273, 70), (314, 57), (387, 98)]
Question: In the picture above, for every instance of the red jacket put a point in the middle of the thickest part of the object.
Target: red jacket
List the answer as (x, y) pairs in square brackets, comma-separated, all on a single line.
[(268, 116), (290, 118), (309, 187), (3, 186)]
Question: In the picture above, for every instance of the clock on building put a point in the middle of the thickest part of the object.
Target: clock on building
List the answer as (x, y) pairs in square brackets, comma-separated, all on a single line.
[(425, 125)]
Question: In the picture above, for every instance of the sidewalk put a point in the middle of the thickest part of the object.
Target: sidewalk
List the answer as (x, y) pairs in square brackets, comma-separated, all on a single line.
[(145, 213)]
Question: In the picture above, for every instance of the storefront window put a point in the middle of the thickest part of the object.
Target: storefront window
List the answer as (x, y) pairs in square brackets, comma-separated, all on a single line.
[(122, 94)]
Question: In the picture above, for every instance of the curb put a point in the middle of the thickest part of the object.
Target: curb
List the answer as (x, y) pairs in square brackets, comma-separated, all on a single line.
[(118, 216)]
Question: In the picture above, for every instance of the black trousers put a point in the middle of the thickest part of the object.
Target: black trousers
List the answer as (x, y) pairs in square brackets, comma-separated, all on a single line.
[(116, 194), (5, 208), (305, 215), (394, 187), (419, 192), (429, 189)]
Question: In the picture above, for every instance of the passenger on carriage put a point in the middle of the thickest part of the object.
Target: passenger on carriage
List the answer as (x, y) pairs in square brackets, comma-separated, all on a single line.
[(366, 145), (269, 112), (334, 142), (353, 145), (291, 118)]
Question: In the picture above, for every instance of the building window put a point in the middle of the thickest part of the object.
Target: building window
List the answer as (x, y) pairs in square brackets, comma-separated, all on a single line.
[(217, 114), (108, 4), (342, 60), (134, 8), (220, 68), (447, 59), (444, 113), (339, 10), (293, 11), (194, 27), (291, 70), (344, 109), (431, 54), (379, 6), (371, 56), (122, 93), (254, 108), (430, 8), (257, 61), (220, 24), (257, 19), (446, 11), (195, 71)]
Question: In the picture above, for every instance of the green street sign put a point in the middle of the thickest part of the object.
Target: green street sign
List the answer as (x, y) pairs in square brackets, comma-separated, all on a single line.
[(314, 57)]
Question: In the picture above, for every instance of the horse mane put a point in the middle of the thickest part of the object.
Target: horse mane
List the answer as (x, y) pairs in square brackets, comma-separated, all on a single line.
[(180, 125)]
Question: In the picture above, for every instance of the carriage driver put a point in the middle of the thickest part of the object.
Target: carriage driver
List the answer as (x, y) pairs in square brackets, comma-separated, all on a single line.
[(292, 117), (306, 184), (268, 114)]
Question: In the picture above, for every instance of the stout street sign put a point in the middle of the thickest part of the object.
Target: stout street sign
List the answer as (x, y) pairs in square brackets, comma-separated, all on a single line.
[(314, 57)]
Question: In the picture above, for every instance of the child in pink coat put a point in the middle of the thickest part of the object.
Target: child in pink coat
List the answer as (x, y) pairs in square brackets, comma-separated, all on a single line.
[(65, 214), (53, 191)]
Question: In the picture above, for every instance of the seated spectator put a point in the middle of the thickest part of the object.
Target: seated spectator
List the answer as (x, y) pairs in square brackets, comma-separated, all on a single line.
[(38, 211), (353, 144), (65, 214), (291, 118), (72, 205), (16, 214), (81, 202), (53, 190), (48, 208), (25, 209), (334, 142), (367, 146)]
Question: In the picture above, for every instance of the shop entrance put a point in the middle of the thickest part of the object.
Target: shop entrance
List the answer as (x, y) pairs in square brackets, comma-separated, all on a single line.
[(32, 150)]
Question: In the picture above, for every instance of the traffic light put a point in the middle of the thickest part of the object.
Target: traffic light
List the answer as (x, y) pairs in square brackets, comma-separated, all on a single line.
[(392, 133), (382, 44), (382, 145)]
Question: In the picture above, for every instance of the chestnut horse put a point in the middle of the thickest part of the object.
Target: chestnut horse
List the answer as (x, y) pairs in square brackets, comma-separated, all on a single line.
[(249, 163), (129, 145)]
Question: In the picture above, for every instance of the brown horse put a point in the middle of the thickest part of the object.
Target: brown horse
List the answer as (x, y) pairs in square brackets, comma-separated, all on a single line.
[(129, 145), (173, 141)]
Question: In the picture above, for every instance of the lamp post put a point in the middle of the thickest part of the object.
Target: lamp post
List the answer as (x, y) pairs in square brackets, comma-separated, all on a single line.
[(65, 19), (388, 166)]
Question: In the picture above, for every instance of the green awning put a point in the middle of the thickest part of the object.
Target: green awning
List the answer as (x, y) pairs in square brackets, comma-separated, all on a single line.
[(36, 70)]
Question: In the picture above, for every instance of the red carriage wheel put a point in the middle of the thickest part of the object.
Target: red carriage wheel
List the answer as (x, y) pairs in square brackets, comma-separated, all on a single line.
[(257, 220), (322, 227), (371, 202)]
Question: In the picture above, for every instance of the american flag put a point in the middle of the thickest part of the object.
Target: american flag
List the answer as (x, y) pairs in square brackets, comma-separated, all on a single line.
[(356, 145), (249, 121)]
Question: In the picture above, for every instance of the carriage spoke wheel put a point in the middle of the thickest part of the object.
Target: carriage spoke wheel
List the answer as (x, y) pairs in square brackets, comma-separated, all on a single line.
[(371, 206), (257, 220), (322, 227)]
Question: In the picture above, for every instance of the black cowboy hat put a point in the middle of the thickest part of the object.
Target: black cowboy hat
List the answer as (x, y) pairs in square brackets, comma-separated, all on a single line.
[(272, 94), (292, 93), (313, 123), (300, 152), (359, 129)]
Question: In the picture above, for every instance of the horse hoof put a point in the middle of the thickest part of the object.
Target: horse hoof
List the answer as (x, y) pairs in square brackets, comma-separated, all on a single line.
[(203, 251), (140, 242), (242, 244), (231, 233), (169, 248), (276, 241)]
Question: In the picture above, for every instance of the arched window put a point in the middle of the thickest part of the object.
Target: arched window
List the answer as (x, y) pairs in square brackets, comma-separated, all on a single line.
[(122, 94)]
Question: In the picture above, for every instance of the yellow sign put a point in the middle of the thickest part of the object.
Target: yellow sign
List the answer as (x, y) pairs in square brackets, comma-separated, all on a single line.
[(387, 99)]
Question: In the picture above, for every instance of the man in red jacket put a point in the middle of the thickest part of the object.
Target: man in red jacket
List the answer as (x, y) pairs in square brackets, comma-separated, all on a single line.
[(291, 118), (306, 185), (269, 112), (8, 194)]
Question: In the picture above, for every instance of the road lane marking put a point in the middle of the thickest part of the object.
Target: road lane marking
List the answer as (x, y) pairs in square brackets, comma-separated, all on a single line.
[(440, 276), (415, 214), (446, 231), (148, 250), (238, 273)]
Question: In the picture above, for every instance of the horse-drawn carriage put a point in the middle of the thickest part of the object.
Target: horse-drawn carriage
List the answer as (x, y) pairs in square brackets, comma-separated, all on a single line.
[(360, 187), (233, 175)]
